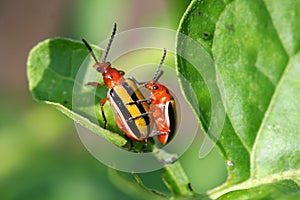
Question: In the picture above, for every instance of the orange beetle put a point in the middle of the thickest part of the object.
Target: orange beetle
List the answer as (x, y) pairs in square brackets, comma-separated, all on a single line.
[(162, 107), (133, 119)]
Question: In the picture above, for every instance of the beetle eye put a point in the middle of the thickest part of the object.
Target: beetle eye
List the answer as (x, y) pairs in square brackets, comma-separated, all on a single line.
[(98, 69), (155, 87), (121, 72)]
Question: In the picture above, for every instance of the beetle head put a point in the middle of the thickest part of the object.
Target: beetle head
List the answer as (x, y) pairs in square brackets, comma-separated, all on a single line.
[(160, 93)]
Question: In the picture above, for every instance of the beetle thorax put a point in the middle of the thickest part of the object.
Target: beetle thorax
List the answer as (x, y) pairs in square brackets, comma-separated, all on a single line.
[(112, 77)]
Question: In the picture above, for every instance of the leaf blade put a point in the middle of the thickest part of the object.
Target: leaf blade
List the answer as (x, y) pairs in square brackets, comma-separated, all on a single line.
[(193, 25), (52, 68), (256, 51), (279, 128)]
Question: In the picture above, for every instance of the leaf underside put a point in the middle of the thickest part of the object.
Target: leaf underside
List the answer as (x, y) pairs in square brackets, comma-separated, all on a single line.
[(255, 47), (52, 71)]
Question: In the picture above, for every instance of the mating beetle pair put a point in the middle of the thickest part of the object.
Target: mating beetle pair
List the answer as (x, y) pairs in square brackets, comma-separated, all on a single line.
[(133, 114)]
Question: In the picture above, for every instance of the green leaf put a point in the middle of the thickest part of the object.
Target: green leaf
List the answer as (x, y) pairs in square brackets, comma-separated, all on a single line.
[(201, 17), (133, 187), (280, 190), (56, 74), (52, 71), (255, 47), (176, 180)]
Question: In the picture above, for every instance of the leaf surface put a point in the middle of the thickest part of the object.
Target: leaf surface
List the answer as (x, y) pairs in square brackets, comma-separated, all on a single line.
[(255, 48), (52, 71)]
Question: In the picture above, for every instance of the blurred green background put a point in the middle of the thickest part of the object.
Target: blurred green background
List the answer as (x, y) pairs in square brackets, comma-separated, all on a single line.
[(41, 154)]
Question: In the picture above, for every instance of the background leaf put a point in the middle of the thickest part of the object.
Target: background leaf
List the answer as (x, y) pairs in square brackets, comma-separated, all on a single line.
[(200, 18), (255, 47), (52, 69)]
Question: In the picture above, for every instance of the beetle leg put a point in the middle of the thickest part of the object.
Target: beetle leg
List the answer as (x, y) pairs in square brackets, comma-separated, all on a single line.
[(138, 101), (95, 84), (139, 116), (102, 102), (131, 145), (155, 133), (144, 147)]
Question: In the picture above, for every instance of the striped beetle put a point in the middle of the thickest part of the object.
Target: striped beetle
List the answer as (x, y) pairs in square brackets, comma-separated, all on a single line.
[(162, 106), (133, 119)]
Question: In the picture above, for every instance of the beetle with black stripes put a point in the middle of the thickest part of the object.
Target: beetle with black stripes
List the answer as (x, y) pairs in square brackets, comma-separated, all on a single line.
[(162, 107), (133, 119)]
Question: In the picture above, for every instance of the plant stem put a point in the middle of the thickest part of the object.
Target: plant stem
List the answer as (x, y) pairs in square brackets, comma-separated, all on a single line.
[(174, 176)]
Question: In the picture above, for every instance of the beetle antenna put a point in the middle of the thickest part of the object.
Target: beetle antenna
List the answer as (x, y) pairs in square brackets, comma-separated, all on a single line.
[(158, 72), (90, 50), (110, 41)]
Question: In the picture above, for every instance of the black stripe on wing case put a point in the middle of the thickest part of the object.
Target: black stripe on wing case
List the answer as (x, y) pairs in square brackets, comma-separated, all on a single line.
[(125, 113), (172, 118), (135, 98)]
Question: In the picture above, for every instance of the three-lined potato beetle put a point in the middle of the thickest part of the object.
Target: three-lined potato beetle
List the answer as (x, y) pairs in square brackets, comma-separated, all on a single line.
[(133, 119), (162, 107)]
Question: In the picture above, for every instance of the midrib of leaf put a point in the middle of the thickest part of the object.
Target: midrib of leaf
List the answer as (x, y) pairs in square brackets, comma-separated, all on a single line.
[(249, 148), (276, 86), (252, 181), (273, 98), (287, 175), (296, 173)]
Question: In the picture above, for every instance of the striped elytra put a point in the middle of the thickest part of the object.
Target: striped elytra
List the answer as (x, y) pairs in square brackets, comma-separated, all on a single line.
[(162, 107), (133, 119)]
